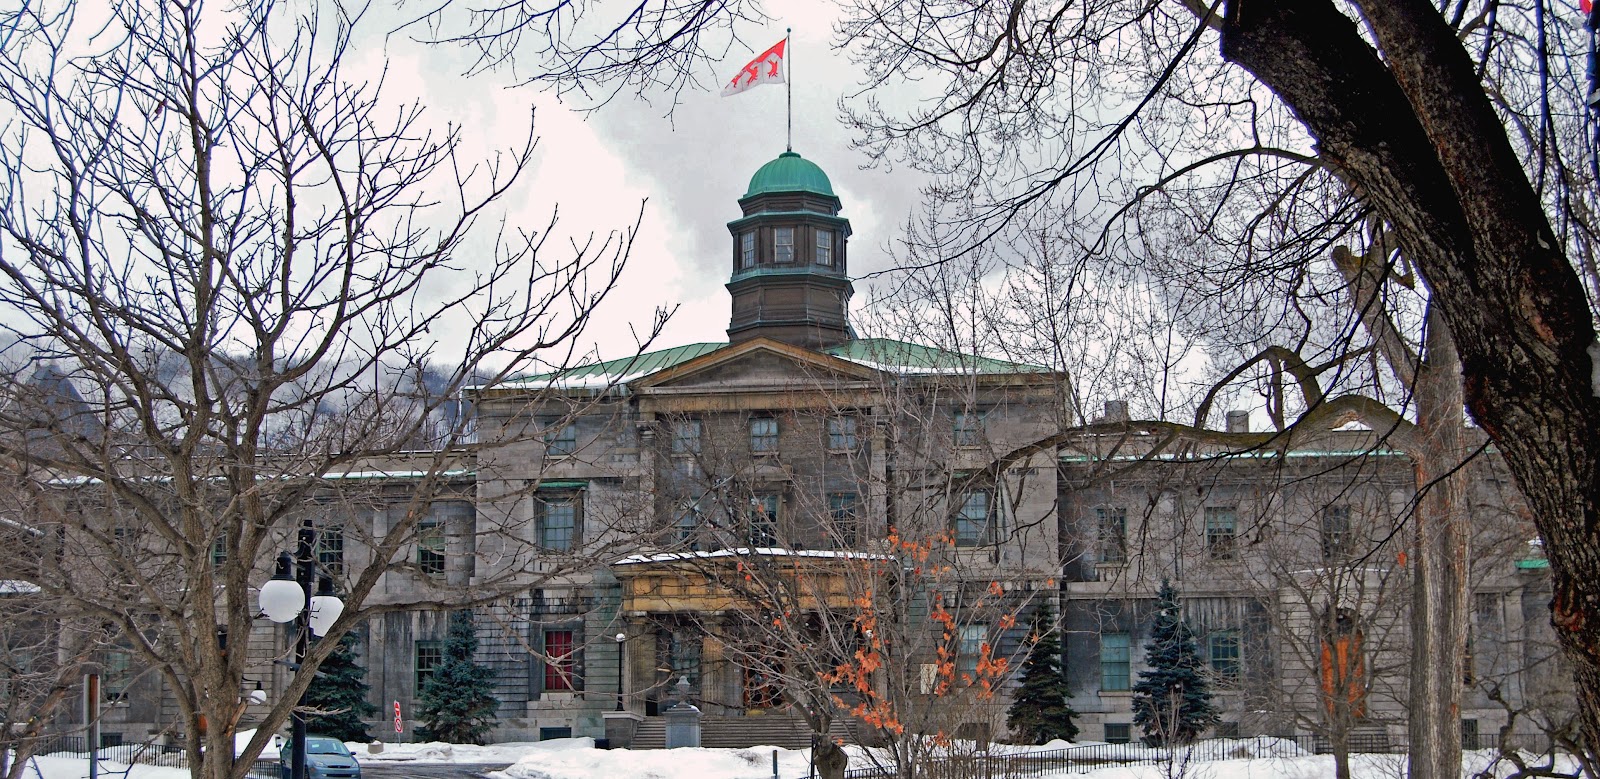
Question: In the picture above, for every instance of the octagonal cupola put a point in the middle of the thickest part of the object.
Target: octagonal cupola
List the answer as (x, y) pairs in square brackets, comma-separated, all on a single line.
[(790, 277)]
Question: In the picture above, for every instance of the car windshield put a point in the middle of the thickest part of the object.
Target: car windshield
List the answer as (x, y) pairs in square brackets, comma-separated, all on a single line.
[(325, 746)]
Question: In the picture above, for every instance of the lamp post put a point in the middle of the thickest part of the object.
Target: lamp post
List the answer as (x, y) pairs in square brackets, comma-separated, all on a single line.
[(287, 598), (622, 639)]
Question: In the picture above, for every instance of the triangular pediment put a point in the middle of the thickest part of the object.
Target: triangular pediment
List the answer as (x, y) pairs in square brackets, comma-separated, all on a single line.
[(759, 363)]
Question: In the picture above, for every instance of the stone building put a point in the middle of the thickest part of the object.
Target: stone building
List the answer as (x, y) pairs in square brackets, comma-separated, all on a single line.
[(645, 507)]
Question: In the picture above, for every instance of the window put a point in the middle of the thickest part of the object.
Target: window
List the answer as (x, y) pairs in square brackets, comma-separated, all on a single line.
[(1486, 607), (841, 433), (968, 430), (1224, 649), (115, 673), (219, 550), (1469, 734), (559, 649), (560, 441), (1118, 732), (974, 642), (686, 436), (973, 519), (843, 509), (429, 655), (430, 544), (1221, 526), (330, 550), (1336, 540), (824, 247), (1111, 545), (688, 526), (558, 523), (747, 250), (1114, 663), (764, 519), (764, 435), (783, 244), (683, 657)]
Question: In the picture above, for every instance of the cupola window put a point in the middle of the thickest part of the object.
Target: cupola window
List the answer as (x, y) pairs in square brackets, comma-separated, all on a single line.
[(783, 244), (747, 250), (825, 247)]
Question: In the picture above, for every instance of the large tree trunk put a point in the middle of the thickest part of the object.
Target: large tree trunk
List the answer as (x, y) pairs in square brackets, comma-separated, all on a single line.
[(1416, 135), (1439, 585)]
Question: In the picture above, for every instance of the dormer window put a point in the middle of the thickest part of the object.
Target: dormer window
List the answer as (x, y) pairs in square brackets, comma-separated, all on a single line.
[(825, 247), (747, 250), (783, 244)]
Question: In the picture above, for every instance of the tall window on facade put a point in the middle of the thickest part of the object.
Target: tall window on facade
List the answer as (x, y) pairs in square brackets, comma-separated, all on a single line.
[(428, 656), (1336, 540), (430, 543), (558, 523), (825, 247), (115, 672), (843, 509), (968, 428), (560, 439), (841, 433), (688, 526), (330, 549), (973, 640), (1115, 662), (783, 244), (683, 656), (686, 436), (1224, 649), (219, 550), (560, 653), (1221, 528), (747, 250), (1111, 546), (974, 519), (764, 519), (764, 435)]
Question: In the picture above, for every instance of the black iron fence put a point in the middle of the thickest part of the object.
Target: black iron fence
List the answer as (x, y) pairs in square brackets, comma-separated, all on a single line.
[(155, 754), (1019, 765)]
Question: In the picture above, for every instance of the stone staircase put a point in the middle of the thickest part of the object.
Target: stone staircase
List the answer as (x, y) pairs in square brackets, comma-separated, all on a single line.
[(788, 732)]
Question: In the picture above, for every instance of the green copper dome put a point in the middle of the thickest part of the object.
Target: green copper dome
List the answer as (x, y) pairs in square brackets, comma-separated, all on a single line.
[(790, 173)]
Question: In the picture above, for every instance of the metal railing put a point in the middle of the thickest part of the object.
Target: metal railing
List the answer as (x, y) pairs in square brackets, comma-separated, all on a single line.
[(1018, 765), (153, 754)]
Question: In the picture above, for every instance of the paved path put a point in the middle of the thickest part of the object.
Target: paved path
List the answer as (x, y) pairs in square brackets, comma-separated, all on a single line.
[(395, 770)]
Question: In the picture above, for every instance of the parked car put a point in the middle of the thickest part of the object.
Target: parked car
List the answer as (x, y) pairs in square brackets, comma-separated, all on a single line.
[(326, 758)]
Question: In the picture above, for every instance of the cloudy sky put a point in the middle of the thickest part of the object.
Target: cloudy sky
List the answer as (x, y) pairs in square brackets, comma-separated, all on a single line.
[(689, 168)]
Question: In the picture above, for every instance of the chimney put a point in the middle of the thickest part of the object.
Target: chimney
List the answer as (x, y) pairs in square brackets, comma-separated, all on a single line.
[(1238, 421), (1116, 411)]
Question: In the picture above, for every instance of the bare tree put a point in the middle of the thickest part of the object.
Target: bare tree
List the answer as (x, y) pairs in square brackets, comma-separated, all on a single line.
[(228, 257)]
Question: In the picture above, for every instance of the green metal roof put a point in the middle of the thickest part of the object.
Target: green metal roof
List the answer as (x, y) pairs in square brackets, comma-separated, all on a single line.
[(899, 356), (790, 173), (626, 368)]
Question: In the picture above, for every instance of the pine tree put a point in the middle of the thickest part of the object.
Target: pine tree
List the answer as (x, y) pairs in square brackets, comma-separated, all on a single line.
[(1172, 703), (457, 703), (340, 690), (1040, 712)]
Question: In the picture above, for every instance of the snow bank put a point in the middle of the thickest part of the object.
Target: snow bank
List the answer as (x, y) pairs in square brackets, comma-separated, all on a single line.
[(684, 763)]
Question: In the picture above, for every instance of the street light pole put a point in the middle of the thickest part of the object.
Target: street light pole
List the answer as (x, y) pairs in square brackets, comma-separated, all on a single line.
[(622, 639), (304, 563), (286, 599)]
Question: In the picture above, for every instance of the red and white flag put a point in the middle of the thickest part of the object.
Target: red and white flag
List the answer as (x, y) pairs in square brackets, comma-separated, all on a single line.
[(765, 69)]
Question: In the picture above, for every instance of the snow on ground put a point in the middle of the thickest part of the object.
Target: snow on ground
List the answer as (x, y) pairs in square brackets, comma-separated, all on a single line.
[(576, 758)]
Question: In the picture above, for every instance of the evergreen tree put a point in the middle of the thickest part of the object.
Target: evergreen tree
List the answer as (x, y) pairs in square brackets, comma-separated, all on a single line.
[(457, 703), (340, 690), (1172, 703), (1040, 712)]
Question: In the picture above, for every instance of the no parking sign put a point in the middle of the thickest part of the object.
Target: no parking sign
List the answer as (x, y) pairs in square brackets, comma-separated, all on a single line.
[(399, 727)]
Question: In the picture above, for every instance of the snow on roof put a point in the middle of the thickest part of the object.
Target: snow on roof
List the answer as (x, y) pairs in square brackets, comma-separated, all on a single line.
[(17, 587), (760, 551)]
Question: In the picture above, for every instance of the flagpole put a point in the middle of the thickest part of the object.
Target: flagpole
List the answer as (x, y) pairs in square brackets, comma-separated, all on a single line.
[(788, 90)]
